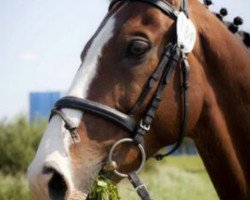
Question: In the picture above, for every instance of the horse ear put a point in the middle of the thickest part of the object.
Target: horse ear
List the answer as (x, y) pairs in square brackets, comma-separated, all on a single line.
[(234, 27)]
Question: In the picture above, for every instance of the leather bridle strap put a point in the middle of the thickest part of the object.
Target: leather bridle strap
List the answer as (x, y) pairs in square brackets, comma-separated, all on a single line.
[(139, 186), (156, 99), (153, 79), (185, 108), (124, 121), (184, 7), (164, 6), (69, 125)]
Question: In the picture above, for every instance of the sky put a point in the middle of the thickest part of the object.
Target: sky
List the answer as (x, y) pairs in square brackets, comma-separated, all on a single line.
[(41, 42)]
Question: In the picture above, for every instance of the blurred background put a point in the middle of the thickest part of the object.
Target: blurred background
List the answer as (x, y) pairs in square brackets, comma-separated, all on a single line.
[(40, 46), (41, 42)]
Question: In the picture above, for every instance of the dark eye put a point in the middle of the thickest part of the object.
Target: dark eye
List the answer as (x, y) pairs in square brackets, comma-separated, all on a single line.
[(137, 48)]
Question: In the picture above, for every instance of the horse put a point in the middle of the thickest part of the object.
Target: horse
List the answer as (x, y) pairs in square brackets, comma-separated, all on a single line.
[(138, 90)]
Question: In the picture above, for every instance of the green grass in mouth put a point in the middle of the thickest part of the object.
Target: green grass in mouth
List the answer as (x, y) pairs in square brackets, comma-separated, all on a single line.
[(103, 189)]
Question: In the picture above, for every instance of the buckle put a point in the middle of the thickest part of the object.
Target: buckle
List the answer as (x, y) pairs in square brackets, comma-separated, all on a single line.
[(140, 187), (75, 136), (145, 127)]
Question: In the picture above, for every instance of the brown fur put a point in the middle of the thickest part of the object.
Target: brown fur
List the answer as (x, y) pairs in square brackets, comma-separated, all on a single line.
[(219, 98)]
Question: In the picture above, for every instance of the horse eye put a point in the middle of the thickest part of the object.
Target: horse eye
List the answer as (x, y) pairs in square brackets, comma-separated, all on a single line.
[(137, 48)]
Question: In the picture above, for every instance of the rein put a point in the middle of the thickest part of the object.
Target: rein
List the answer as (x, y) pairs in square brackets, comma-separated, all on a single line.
[(174, 53)]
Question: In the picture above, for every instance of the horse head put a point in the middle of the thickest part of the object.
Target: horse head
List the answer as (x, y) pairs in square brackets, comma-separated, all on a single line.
[(133, 61)]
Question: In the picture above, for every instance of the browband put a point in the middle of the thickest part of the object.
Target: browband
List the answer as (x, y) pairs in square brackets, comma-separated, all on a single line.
[(164, 6)]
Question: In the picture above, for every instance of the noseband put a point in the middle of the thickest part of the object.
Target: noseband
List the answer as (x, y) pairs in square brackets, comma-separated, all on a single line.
[(174, 53)]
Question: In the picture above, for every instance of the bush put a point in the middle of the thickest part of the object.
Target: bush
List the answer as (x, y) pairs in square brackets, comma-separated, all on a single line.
[(175, 178), (172, 178), (18, 143), (14, 188)]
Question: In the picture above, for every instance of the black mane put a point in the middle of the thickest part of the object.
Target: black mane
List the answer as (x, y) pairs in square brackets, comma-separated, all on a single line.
[(232, 26)]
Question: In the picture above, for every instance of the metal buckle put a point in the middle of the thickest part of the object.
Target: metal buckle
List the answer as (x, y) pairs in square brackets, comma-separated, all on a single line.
[(144, 126), (122, 141), (140, 187), (75, 136)]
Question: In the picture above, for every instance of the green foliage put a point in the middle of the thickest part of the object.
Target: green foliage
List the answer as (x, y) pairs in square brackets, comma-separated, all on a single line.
[(168, 180), (178, 177), (18, 144), (175, 178), (14, 188), (103, 189)]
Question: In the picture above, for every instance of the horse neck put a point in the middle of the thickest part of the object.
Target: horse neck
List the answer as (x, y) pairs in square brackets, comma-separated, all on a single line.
[(222, 135)]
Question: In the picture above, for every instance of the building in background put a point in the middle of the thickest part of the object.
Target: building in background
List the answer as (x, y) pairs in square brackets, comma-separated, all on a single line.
[(40, 104)]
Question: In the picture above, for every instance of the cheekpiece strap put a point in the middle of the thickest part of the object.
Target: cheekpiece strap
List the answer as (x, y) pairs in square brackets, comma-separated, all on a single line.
[(145, 123), (184, 7)]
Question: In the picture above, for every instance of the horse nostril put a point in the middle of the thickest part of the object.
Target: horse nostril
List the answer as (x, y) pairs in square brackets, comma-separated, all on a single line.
[(57, 186)]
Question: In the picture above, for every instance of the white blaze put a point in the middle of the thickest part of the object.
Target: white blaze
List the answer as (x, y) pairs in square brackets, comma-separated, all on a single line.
[(53, 150)]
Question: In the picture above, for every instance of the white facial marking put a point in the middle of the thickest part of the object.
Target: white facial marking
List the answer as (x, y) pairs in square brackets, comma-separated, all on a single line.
[(53, 150), (88, 68)]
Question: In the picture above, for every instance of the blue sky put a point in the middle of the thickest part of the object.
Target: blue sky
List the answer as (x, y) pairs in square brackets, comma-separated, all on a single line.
[(41, 42)]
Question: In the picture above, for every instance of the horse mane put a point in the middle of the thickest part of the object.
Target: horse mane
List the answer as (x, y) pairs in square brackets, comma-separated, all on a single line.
[(234, 26)]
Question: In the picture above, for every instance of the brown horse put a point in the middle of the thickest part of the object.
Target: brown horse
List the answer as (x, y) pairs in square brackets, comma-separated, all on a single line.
[(116, 64)]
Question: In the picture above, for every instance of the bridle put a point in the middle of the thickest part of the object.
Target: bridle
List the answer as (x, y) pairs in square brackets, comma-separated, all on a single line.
[(174, 53)]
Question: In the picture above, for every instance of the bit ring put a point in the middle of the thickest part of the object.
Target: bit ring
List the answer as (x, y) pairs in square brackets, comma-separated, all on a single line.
[(122, 141)]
